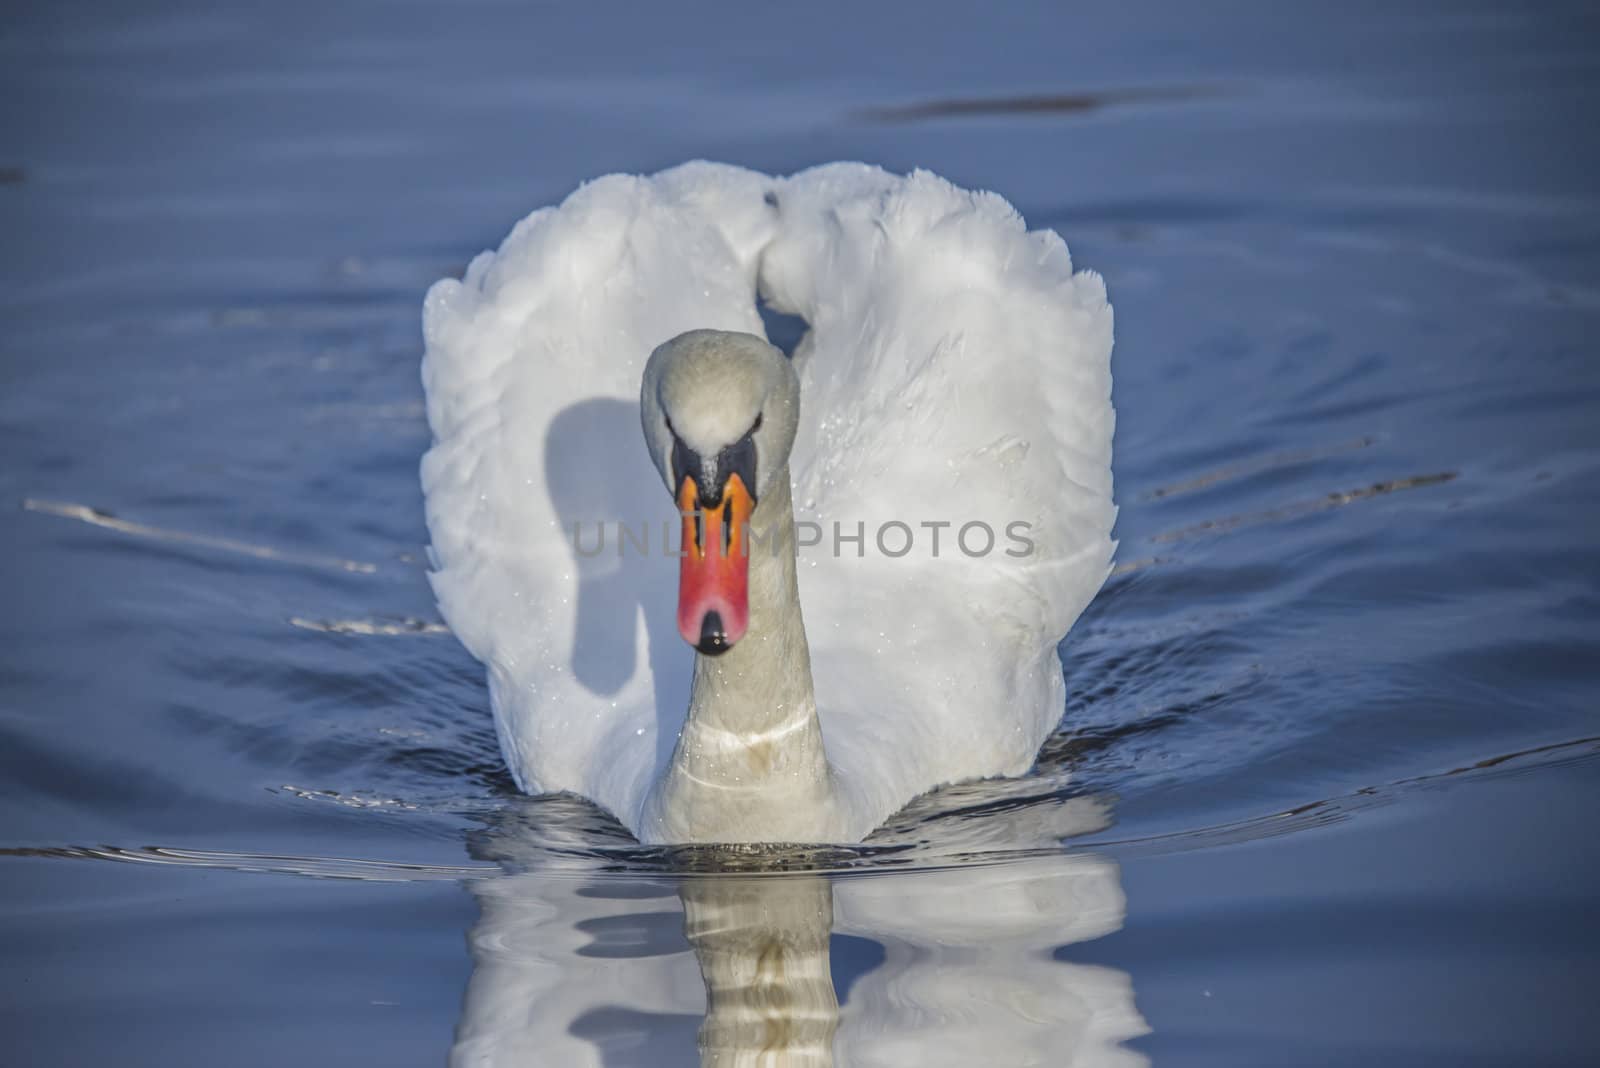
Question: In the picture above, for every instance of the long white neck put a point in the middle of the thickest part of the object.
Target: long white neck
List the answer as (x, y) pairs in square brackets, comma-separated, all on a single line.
[(749, 765)]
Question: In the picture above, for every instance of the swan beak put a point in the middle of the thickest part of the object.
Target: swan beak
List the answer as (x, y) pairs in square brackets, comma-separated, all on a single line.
[(714, 572)]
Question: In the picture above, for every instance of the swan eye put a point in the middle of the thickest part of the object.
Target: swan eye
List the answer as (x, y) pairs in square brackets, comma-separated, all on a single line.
[(754, 426)]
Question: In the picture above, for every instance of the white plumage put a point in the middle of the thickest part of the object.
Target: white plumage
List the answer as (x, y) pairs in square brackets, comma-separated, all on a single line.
[(956, 371)]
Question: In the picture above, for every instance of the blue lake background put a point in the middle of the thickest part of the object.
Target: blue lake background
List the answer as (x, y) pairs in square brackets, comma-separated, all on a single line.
[(1338, 707)]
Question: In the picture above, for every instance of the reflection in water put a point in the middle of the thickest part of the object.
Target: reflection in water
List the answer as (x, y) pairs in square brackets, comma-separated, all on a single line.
[(714, 968), (762, 944), (969, 975)]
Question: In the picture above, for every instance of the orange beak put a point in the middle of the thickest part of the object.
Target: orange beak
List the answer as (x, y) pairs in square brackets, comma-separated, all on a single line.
[(714, 572)]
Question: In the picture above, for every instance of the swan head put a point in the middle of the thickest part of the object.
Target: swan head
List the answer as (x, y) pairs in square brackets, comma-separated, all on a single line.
[(719, 411)]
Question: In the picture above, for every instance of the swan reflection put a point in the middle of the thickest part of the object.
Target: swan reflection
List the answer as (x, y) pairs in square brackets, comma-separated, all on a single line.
[(942, 964), (762, 946)]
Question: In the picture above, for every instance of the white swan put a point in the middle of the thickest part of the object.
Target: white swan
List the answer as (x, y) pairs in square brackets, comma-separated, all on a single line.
[(955, 379)]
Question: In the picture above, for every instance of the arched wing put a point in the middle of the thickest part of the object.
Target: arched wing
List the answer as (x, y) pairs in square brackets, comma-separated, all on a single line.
[(956, 377), (532, 374)]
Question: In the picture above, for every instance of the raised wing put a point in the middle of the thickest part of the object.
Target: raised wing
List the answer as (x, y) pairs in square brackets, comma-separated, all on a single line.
[(955, 382), (532, 374)]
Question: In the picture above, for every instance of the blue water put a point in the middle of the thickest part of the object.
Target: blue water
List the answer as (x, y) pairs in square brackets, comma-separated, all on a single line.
[(1324, 787)]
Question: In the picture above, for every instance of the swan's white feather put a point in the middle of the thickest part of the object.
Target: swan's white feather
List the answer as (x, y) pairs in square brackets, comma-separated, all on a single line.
[(532, 377), (956, 371)]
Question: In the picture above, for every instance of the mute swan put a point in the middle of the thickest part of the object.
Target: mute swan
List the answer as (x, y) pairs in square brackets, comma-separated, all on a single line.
[(926, 483)]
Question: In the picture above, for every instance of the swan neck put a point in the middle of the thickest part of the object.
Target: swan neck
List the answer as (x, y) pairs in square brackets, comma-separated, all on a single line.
[(750, 764), (762, 684)]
